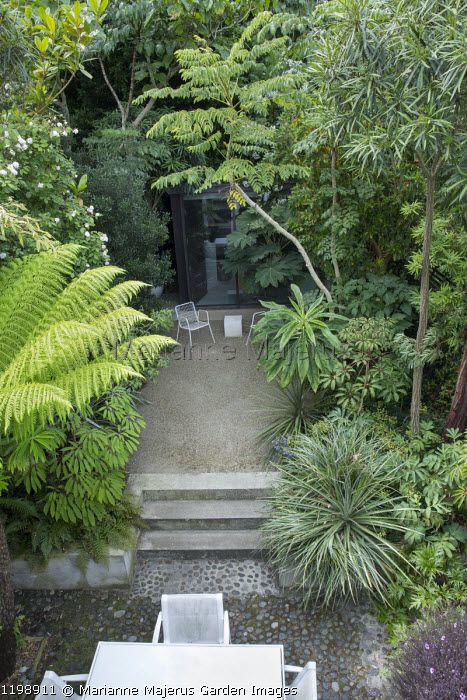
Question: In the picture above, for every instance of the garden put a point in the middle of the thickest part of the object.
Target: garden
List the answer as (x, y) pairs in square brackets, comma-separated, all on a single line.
[(335, 133)]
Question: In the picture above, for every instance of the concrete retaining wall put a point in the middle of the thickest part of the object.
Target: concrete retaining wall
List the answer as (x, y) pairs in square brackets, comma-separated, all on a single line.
[(63, 572)]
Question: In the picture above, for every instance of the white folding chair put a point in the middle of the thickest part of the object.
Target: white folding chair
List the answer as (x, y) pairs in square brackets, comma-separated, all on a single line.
[(193, 619), (254, 321), (189, 320), (53, 685), (304, 681)]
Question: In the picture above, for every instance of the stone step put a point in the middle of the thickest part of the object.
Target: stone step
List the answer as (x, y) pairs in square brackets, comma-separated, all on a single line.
[(204, 514), (199, 543), (201, 486)]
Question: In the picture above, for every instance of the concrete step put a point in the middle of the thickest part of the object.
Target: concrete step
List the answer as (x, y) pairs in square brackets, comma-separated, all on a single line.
[(204, 514), (201, 486), (194, 543)]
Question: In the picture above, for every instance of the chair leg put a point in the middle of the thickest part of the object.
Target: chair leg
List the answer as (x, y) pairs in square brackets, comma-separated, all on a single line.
[(178, 331), (248, 336), (191, 344), (212, 334)]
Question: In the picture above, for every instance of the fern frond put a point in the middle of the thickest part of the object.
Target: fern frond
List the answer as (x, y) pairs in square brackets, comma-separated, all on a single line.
[(143, 351), (44, 400), (92, 380), (115, 326), (83, 291), (115, 298)]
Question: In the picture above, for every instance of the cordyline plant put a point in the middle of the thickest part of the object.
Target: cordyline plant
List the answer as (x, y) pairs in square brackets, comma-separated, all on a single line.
[(230, 126), (332, 516), (394, 92)]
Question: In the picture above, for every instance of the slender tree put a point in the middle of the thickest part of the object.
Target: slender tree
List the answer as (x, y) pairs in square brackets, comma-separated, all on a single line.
[(232, 126), (400, 74)]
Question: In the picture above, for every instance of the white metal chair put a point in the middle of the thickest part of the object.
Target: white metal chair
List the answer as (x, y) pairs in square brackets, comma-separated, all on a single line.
[(304, 681), (53, 685), (254, 321), (189, 320), (193, 619)]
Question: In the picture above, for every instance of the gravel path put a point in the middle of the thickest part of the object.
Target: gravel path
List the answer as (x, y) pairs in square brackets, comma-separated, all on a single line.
[(347, 644)]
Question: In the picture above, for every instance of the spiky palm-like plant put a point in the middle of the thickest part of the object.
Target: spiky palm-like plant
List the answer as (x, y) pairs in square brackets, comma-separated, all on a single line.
[(332, 513), (62, 344)]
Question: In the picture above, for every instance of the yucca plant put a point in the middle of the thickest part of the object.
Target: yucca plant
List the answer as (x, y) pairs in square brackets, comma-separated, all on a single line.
[(332, 516), (297, 339)]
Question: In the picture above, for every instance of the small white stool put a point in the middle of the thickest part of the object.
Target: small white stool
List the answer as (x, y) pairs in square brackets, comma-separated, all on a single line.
[(233, 326)]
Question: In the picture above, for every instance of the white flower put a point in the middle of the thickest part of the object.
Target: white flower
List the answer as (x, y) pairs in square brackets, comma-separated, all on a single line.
[(40, 185), (104, 247), (87, 264), (59, 124), (57, 167), (106, 262), (6, 133), (57, 220), (21, 140), (75, 131), (54, 133), (104, 238), (12, 169), (90, 209), (2, 256), (87, 234), (64, 133), (73, 213), (86, 225), (15, 164), (3, 172), (29, 140)]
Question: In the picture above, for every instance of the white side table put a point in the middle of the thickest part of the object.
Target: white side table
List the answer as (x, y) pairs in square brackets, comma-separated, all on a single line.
[(233, 326)]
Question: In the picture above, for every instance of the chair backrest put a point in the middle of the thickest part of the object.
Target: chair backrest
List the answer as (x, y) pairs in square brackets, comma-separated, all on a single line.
[(52, 687), (305, 682), (193, 618), (186, 312)]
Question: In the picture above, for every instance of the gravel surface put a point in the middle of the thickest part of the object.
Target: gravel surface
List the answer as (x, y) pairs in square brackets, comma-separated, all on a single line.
[(348, 645)]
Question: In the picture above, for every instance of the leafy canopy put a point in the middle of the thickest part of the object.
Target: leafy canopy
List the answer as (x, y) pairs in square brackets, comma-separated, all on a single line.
[(237, 91)]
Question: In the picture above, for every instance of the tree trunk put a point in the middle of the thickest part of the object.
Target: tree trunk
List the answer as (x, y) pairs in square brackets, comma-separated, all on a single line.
[(280, 229), (7, 612), (457, 415), (335, 264), (424, 301)]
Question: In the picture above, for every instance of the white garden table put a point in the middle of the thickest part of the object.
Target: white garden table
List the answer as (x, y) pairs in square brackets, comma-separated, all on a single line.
[(128, 669)]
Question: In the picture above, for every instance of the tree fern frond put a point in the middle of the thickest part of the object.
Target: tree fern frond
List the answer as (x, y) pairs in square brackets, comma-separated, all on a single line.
[(44, 400), (83, 291), (115, 298), (144, 350), (115, 326), (61, 348), (93, 379)]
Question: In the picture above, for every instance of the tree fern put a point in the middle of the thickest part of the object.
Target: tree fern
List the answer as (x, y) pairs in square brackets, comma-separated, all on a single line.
[(60, 341)]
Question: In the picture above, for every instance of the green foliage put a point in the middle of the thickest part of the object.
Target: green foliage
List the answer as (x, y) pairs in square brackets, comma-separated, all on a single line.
[(230, 127), (35, 171), (433, 486), (288, 412), (119, 163), (367, 368), (380, 296), (259, 255), (448, 301), (57, 338), (52, 48), (297, 340), (333, 515)]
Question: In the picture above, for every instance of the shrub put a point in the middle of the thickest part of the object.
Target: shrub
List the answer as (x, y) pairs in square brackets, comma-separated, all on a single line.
[(431, 663), (333, 513), (297, 339)]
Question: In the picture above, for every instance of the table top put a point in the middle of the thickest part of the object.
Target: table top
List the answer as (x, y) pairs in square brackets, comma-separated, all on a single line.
[(132, 669)]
